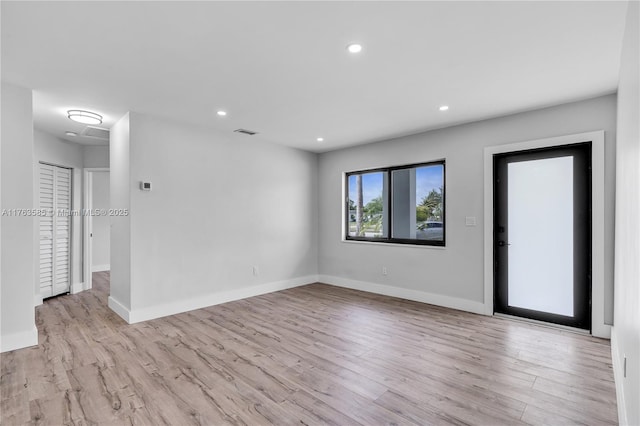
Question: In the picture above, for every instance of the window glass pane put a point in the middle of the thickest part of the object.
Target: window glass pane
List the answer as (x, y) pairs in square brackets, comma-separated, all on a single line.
[(368, 205), (417, 203)]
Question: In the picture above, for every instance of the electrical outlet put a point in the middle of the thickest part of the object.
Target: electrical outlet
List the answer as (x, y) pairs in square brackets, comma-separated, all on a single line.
[(255, 271), (384, 270)]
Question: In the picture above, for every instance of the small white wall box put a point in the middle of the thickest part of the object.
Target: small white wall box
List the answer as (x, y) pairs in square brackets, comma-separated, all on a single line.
[(145, 186)]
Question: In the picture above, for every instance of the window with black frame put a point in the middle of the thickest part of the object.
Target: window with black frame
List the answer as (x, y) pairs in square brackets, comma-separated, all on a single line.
[(402, 204)]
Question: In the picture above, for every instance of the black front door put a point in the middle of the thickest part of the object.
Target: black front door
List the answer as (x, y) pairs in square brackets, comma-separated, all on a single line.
[(542, 234)]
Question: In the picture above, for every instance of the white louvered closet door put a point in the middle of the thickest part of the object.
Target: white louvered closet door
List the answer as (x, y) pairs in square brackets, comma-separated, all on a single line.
[(55, 230)]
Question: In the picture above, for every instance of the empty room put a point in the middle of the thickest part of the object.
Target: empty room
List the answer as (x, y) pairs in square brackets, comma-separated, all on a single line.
[(331, 212)]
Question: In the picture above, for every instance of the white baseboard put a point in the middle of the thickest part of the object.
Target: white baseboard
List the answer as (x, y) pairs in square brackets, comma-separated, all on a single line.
[(24, 339), (100, 268), (618, 377), (144, 314), (119, 309), (404, 293), (148, 313)]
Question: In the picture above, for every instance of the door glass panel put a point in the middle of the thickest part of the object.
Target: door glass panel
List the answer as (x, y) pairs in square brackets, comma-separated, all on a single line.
[(540, 224)]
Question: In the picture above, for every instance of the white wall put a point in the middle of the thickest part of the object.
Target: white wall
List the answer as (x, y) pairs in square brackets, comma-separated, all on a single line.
[(95, 156), (56, 151), (52, 150), (17, 320), (221, 204), (625, 335), (120, 197), (100, 228), (451, 276)]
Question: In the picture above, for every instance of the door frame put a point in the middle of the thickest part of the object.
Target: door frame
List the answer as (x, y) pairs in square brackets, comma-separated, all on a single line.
[(598, 327), (87, 180)]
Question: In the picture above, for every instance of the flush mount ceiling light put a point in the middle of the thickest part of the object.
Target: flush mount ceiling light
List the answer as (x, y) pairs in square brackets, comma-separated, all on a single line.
[(354, 48), (84, 117), (320, 139), (73, 134), (444, 107), (222, 113)]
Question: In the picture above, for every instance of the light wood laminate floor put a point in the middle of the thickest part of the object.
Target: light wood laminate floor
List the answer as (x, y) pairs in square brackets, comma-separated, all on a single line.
[(310, 355)]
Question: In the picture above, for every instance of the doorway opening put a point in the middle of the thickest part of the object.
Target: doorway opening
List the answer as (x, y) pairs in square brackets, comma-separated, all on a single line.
[(600, 287), (96, 223)]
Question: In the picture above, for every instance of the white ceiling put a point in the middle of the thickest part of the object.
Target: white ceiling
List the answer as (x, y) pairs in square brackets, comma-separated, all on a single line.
[(281, 68)]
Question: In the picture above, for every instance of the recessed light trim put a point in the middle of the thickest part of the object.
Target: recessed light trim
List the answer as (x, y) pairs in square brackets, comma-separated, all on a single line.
[(354, 48), (320, 139), (222, 113), (444, 108), (84, 117), (72, 134)]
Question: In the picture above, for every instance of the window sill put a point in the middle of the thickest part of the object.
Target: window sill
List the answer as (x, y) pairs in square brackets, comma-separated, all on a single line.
[(378, 243)]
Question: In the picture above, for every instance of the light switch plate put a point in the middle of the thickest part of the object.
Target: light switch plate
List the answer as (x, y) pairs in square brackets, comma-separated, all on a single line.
[(470, 220)]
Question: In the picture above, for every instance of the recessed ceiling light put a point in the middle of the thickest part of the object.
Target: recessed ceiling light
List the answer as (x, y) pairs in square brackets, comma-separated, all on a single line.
[(444, 107), (354, 48), (320, 139), (84, 117), (222, 113), (73, 134)]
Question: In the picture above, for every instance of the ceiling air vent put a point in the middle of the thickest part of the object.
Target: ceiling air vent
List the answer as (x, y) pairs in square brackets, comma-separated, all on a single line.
[(96, 132), (246, 132)]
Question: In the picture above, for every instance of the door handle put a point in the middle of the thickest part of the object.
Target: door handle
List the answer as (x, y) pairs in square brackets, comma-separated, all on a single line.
[(502, 243)]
